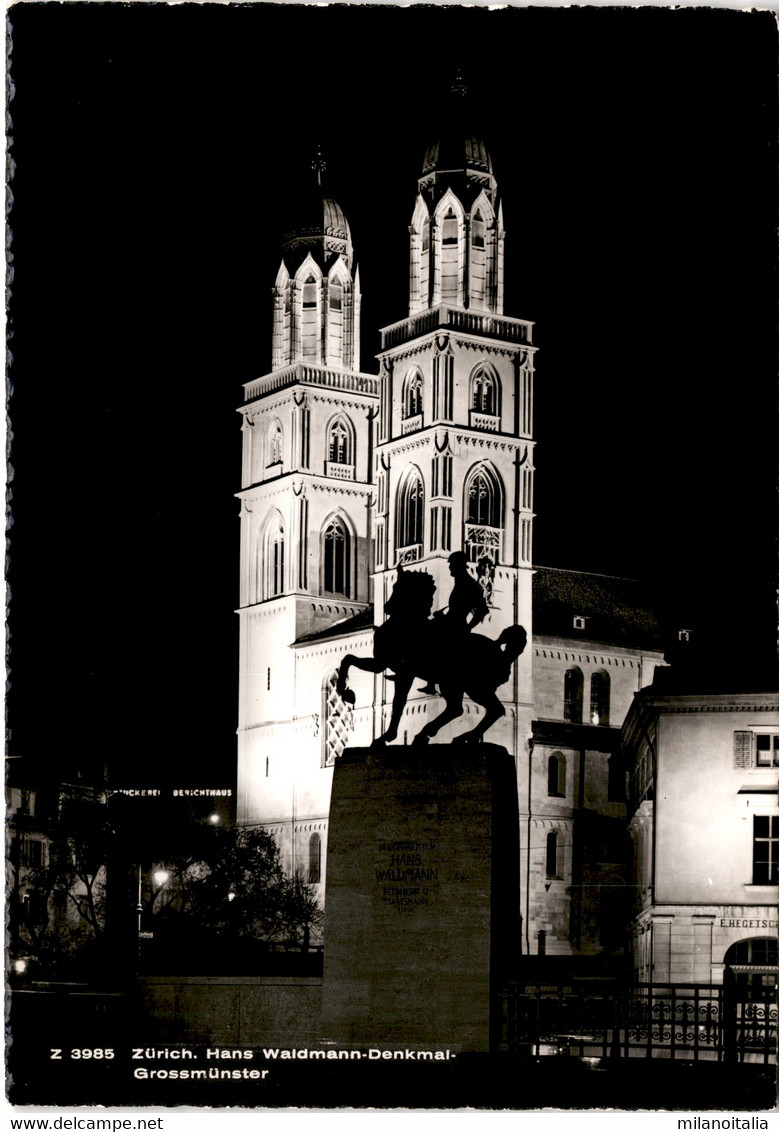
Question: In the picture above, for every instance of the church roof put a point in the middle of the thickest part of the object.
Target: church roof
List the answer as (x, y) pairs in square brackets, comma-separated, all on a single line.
[(318, 215), (453, 151), (345, 627), (458, 157), (616, 611), (316, 223)]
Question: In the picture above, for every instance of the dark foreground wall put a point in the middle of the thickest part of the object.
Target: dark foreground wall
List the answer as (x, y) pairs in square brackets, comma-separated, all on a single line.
[(233, 1011)]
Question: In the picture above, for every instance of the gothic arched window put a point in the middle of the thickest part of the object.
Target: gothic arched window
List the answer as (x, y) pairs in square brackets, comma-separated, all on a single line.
[(477, 230), (412, 395), (339, 442), (573, 691), (314, 859), (274, 443), (450, 257), (551, 854), (309, 322), (484, 499), (600, 688), (485, 390), (336, 337), (274, 557), (411, 511), (483, 507), (335, 714), (335, 558)]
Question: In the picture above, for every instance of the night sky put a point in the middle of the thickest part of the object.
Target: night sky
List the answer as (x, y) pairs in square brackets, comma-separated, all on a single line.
[(156, 149)]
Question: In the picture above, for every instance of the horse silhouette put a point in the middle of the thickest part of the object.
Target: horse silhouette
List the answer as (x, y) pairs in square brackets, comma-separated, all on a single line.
[(414, 645)]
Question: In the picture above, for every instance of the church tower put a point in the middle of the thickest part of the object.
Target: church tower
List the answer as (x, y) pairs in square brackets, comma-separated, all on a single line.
[(305, 500), (454, 458)]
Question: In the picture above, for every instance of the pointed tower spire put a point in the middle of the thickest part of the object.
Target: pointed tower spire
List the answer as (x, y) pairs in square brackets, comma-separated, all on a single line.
[(457, 226), (318, 164)]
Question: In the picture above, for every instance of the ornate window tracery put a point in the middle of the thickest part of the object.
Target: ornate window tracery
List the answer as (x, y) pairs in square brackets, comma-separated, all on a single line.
[(483, 515), (485, 392), (411, 511), (336, 557), (412, 395), (337, 720)]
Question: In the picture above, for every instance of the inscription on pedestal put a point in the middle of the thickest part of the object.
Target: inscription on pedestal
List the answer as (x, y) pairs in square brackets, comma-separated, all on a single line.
[(407, 875)]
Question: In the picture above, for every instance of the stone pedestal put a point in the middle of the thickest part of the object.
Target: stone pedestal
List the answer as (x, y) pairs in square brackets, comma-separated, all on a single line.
[(422, 903)]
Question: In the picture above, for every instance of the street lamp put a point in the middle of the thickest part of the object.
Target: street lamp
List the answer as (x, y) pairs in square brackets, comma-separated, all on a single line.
[(160, 878)]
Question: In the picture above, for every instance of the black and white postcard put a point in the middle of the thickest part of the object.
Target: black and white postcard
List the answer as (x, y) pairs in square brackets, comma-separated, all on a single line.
[(393, 704)]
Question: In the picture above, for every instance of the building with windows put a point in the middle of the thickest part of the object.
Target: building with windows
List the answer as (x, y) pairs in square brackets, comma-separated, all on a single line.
[(703, 799), (349, 475)]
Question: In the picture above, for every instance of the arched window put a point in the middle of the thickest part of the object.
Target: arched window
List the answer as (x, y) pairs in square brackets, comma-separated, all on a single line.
[(309, 322), (573, 687), (477, 230), (600, 688), (335, 322), (274, 557), (336, 720), (483, 507), (412, 395), (551, 854), (556, 775), (274, 443), (483, 500), (411, 511), (339, 442), (450, 257), (477, 268), (760, 952), (335, 556), (485, 392), (314, 859)]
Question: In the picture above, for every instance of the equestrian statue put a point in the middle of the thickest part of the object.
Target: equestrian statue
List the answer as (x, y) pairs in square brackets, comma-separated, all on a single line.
[(441, 650)]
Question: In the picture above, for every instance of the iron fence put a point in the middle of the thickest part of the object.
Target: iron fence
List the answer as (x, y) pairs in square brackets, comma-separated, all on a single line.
[(728, 1023)]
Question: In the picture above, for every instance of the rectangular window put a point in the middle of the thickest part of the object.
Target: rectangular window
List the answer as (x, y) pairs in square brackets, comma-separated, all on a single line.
[(765, 850), (434, 528), (32, 854), (767, 750)]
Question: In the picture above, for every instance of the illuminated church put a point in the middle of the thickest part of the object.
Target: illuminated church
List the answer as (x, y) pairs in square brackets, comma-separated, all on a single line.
[(349, 474)]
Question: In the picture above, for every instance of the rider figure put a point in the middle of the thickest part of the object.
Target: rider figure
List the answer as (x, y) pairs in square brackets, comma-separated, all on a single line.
[(466, 599)]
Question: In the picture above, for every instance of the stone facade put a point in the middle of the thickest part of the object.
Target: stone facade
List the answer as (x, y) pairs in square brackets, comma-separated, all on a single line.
[(703, 773)]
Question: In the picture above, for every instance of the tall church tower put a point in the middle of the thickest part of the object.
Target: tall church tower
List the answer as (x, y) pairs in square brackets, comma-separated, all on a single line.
[(454, 459), (305, 500)]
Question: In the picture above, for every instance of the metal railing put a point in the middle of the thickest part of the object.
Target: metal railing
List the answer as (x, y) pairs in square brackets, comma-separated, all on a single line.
[(687, 1021)]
